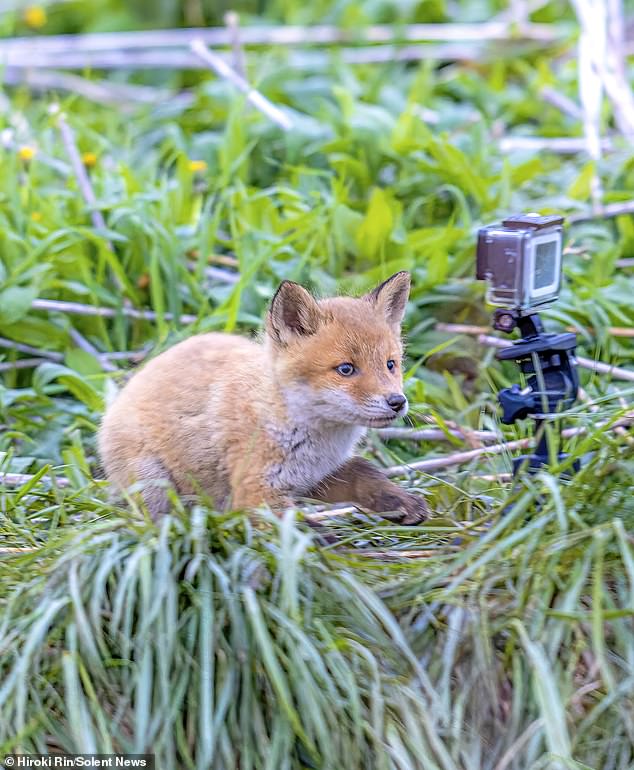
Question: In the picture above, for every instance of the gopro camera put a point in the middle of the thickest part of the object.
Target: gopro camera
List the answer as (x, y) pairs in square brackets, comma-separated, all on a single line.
[(521, 261)]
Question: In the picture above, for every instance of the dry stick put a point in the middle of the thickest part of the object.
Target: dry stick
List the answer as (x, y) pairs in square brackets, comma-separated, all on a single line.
[(584, 397), (615, 76), (102, 92), (435, 434), (563, 145), (496, 342), (83, 180), (609, 210), (17, 479), (223, 259), (615, 331), (28, 549), (460, 458), (286, 35), (232, 20), (216, 273), (85, 187), (592, 67), (184, 59), (260, 102), (48, 355), (617, 372), (331, 513), (31, 363), (461, 328), (77, 308), (11, 345), (585, 363), (23, 363), (409, 554), (561, 102), (180, 59), (127, 355)]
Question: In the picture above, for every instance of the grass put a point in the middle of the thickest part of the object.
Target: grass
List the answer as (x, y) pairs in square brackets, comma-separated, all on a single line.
[(220, 641)]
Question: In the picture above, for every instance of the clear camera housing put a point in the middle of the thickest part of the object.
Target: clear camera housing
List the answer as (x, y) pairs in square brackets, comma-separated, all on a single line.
[(521, 261)]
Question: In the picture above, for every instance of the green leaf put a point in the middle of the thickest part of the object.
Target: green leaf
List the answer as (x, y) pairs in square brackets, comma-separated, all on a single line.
[(37, 332), (380, 219), (83, 362), (79, 387), (548, 697), (15, 303), (580, 189)]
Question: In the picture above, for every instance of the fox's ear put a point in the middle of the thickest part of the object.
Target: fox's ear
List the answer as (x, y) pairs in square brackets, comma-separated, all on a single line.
[(293, 313), (390, 297)]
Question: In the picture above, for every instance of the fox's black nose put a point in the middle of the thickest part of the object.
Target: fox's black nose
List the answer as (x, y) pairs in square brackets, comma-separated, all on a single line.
[(396, 401)]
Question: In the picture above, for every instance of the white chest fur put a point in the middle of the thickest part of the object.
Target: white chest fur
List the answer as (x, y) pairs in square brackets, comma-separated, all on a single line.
[(310, 453)]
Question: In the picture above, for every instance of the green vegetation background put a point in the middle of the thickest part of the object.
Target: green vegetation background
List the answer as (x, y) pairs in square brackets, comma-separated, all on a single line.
[(507, 642)]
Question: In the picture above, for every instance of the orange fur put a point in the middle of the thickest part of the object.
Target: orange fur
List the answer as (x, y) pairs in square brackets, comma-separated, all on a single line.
[(250, 422)]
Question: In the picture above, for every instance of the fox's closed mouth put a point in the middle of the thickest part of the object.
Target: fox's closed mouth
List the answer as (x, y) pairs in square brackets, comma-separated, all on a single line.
[(382, 421)]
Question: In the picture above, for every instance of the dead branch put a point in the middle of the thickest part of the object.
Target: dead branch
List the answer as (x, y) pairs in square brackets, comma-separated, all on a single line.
[(564, 145), (616, 372), (290, 35), (614, 331), (11, 345), (217, 274), (258, 100), (301, 60), (604, 212), (42, 356), (18, 479), (83, 180), (22, 363), (331, 513), (78, 308), (435, 434), (600, 367), (7, 550), (232, 20), (406, 554), (460, 458), (102, 92), (561, 102)]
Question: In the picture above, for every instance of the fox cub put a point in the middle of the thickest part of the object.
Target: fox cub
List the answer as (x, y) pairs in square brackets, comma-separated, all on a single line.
[(251, 422)]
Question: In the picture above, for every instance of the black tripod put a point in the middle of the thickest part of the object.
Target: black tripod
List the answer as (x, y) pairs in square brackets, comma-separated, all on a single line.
[(549, 362)]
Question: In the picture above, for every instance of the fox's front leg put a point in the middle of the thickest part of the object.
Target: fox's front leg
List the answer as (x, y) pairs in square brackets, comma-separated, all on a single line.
[(358, 481), (249, 496)]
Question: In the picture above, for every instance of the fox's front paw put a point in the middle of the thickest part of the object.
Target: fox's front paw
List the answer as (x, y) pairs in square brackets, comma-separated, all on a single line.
[(402, 507)]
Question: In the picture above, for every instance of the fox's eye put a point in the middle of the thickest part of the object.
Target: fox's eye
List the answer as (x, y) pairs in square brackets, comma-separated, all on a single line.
[(345, 369), (391, 364)]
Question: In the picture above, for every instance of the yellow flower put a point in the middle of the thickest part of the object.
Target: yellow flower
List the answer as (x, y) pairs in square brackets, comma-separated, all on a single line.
[(35, 16), (26, 153), (89, 159), (197, 166), (36, 216)]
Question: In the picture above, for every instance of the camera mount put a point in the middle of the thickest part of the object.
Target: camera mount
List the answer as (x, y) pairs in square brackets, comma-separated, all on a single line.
[(548, 361)]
